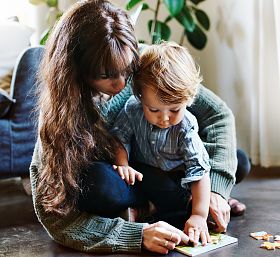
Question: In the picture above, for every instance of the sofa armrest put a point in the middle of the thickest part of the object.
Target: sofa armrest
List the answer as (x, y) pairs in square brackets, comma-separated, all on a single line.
[(5, 103)]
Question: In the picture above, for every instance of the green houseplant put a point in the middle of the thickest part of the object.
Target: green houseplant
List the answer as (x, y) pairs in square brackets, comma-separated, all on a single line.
[(53, 9), (195, 22)]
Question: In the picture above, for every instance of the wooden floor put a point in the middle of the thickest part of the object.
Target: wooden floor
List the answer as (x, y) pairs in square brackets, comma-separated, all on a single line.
[(22, 236)]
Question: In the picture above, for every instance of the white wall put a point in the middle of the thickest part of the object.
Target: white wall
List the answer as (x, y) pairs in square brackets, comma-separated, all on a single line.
[(227, 61)]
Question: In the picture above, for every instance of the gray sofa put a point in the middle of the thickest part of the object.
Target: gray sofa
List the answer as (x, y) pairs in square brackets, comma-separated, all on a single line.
[(18, 128)]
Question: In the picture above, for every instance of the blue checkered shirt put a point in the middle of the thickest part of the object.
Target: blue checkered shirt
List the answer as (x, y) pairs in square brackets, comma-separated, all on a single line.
[(163, 148)]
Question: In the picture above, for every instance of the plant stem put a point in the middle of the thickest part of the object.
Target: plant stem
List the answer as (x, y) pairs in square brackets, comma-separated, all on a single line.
[(182, 38), (153, 28)]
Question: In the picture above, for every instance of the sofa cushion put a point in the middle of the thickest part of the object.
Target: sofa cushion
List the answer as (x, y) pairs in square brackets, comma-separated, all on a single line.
[(18, 129)]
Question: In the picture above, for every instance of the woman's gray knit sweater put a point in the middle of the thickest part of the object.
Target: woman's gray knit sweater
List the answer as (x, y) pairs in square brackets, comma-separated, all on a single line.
[(90, 233)]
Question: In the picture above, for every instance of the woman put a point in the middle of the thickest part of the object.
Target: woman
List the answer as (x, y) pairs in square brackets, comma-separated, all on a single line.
[(85, 74)]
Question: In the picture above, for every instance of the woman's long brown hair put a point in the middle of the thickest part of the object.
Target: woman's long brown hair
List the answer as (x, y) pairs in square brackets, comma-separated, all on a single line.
[(91, 37)]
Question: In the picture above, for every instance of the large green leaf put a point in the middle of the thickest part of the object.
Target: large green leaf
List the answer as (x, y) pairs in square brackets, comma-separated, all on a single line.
[(174, 6), (186, 19), (145, 7), (52, 3), (131, 4), (45, 36), (197, 1), (197, 38), (161, 31), (58, 15), (35, 2), (168, 18), (202, 18)]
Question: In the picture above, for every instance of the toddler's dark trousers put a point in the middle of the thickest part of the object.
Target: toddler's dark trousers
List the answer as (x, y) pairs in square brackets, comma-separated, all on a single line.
[(106, 194)]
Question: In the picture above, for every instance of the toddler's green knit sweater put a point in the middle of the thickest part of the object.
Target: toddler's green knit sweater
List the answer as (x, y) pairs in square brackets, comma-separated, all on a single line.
[(90, 233)]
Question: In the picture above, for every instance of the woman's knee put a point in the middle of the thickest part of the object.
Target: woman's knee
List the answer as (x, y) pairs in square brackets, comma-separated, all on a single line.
[(102, 190), (243, 166), (98, 171)]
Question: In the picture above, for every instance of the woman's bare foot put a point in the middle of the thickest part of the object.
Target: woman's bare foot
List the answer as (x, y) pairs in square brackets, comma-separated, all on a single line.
[(133, 214), (26, 185), (139, 214), (236, 208)]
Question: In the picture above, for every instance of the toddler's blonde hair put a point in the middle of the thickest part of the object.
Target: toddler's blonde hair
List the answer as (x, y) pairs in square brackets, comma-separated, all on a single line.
[(170, 70)]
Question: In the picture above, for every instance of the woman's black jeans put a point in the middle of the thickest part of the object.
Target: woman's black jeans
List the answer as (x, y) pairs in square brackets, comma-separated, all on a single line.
[(243, 166)]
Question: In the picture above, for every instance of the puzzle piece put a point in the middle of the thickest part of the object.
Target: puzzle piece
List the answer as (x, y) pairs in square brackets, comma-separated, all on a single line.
[(258, 235), (215, 237), (267, 237), (262, 235), (277, 238), (268, 245), (277, 245)]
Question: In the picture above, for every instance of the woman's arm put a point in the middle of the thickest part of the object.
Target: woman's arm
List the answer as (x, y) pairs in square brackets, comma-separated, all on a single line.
[(90, 233), (217, 131), (83, 231)]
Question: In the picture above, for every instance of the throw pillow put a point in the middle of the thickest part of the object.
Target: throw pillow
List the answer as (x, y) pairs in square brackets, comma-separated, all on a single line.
[(15, 37)]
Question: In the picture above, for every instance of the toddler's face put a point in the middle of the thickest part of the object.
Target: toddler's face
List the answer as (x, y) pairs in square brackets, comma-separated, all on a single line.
[(158, 113)]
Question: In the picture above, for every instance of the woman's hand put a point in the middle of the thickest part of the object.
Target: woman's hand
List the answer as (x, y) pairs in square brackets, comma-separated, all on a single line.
[(195, 228), (128, 174), (219, 211), (160, 237)]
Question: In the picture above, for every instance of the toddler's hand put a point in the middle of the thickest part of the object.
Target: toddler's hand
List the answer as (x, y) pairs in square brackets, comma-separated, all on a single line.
[(128, 174), (195, 228)]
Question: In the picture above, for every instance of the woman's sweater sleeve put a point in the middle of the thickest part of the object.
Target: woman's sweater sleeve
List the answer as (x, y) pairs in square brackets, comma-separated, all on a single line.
[(83, 231), (217, 131)]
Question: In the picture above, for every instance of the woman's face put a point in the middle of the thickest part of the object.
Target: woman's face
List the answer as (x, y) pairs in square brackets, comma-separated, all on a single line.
[(109, 86)]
